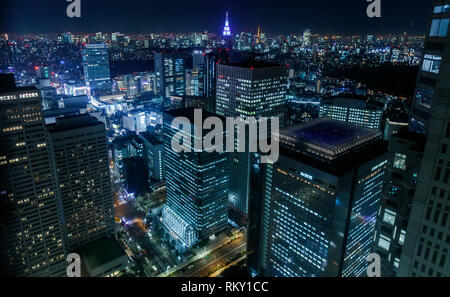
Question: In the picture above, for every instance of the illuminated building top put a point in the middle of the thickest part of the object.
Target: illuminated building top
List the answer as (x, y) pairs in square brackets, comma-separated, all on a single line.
[(226, 29), (328, 138)]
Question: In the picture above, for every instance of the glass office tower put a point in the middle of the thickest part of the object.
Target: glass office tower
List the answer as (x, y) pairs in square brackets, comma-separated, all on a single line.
[(197, 185), (31, 229), (320, 201), (170, 74), (96, 69), (250, 89)]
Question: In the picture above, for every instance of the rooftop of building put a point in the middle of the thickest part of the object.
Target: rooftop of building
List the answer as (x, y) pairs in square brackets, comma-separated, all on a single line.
[(129, 136), (100, 252), (253, 64), (189, 114), (327, 138), (151, 138), (341, 166), (8, 84), (70, 122)]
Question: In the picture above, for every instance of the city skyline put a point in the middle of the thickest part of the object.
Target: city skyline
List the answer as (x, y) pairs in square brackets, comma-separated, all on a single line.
[(152, 17), (148, 155)]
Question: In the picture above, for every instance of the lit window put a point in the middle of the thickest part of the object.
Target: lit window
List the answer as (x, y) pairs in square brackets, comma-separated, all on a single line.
[(439, 27), (400, 161), (431, 63), (389, 216), (442, 9), (384, 242), (401, 238), (396, 262)]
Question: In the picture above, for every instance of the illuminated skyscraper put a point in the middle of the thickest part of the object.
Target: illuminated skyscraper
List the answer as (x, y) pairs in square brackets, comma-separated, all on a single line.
[(96, 68), (170, 74), (197, 185), (81, 159), (209, 76), (319, 201), (251, 89), (31, 230), (153, 155)]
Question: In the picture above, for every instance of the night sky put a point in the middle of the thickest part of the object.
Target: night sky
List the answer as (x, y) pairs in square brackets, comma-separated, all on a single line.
[(274, 16)]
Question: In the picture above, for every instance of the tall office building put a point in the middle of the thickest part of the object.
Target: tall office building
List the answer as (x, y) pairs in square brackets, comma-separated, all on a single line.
[(405, 154), (209, 76), (170, 74), (319, 201), (31, 227), (353, 109), (96, 69), (427, 242), (153, 155), (197, 185), (250, 89), (198, 58), (81, 158)]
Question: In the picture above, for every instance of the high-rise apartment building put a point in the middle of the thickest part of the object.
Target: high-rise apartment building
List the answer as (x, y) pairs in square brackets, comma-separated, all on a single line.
[(353, 109), (96, 69), (81, 158), (319, 202), (31, 223), (250, 89), (197, 184)]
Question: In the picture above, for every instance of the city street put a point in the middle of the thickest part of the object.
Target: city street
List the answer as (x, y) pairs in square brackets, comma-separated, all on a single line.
[(214, 260)]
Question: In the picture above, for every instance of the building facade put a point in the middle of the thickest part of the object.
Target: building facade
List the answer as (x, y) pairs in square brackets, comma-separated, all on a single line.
[(197, 185), (320, 201), (405, 155), (434, 48), (427, 242), (96, 69), (252, 89), (355, 110), (81, 158), (154, 156), (31, 223), (170, 70)]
